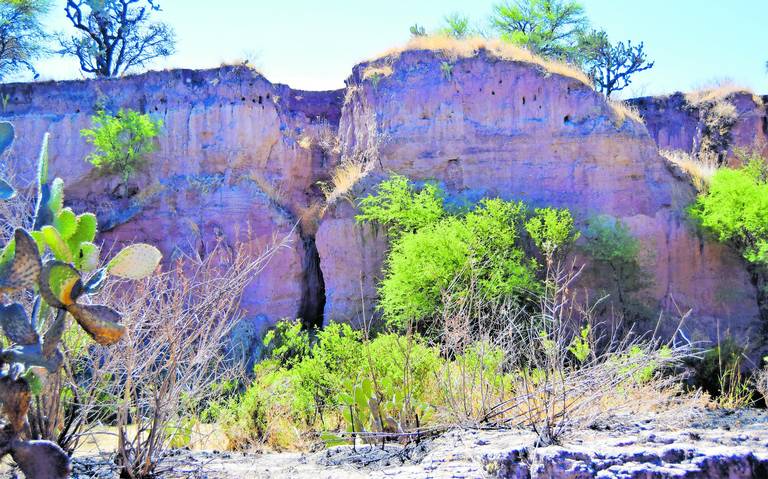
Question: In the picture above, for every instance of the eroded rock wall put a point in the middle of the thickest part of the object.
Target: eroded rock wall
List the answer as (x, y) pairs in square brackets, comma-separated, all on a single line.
[(240, 159), (676, 125), (496, 128), (227, 133)]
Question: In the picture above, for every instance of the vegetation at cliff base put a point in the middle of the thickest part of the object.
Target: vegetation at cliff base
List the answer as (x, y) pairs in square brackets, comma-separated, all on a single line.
[(434, 252)]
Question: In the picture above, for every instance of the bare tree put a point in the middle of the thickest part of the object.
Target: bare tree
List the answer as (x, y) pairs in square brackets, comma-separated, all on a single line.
[(116, 35), (21, 35), (611, 66)]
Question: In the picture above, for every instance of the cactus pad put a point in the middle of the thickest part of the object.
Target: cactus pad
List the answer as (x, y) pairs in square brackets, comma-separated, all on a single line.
[(6, 191), (19, 263), (6, 135), (60, 284), (66, 223), (16, 324), (135, 262), (100, 322), (87, 257), (57, 244)]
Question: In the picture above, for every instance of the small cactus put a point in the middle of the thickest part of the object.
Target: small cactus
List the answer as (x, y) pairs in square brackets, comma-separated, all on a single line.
[(50, 260)]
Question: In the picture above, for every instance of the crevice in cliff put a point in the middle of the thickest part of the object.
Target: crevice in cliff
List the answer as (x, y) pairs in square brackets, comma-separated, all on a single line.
[(312, 305)]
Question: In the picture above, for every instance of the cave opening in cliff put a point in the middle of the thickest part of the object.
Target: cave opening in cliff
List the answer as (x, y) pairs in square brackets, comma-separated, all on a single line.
[(312, 305)]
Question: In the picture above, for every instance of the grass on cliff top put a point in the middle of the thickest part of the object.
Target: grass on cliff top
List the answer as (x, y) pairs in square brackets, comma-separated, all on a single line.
[(465, 48), (699, 170), (455, 49), (716, 92)]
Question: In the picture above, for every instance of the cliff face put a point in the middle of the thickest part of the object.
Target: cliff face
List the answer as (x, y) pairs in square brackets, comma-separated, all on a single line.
[(240, 157), (227, 133), (497, 128), (675, 124)]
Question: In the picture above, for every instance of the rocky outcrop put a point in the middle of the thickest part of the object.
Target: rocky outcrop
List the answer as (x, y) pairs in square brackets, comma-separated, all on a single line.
[(232, 141), (240, 159), (638, 452), (675, 124), (499, 128)]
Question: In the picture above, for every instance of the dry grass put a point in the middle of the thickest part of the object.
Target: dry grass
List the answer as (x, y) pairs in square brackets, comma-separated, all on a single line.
[(700, 171), (305, 142), (275, 194), (717, 92), (623, 111), (377, 71), (343, 178), (466, 48)]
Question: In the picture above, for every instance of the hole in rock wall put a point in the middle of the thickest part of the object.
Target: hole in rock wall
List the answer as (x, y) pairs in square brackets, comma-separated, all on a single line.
[(523, 100), (567, 119)]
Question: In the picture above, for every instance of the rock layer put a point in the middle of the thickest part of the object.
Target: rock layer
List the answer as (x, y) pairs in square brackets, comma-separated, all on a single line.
[(675, 125), (241, 157)]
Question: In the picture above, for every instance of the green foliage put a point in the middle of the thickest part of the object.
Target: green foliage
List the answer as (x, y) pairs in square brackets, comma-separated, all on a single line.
[(552, 230), (579, 346), (456, 26), (735, 208), (481, 248), (615, 263), (434, 252), (122, 142), (22, 35), (418, 30), (401, 207), (311, 389), (287, 343), (548, 27)]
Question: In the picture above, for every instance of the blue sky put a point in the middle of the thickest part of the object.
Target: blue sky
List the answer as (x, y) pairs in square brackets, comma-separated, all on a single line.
[(314, 44)]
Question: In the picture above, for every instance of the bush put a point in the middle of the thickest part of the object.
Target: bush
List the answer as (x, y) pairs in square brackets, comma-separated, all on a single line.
[(401, 208), (735, 208), (615, 254), (121, 142), (434, 253)]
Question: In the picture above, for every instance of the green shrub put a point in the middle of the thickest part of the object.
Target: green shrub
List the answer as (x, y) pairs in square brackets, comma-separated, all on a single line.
[(287, 342), (735, 208), (434, 253), (401, 208), (614, 252), (121, 142), (552, 230)]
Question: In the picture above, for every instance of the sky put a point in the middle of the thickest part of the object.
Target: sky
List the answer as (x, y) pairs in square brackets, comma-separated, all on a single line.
[(313, 45)]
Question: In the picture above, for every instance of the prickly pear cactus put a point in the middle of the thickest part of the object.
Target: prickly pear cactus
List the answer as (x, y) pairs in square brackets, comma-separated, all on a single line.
[(51, 261)]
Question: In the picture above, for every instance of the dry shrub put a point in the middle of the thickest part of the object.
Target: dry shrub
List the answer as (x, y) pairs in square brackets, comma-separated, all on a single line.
[(343, 178), (275, 194), (327, 139), (464, 48), (310, 216), (624, 110), (18, 211), (174, 354), (548, 370), (377, 71), (716, 92), (699, 170), (305, 142)]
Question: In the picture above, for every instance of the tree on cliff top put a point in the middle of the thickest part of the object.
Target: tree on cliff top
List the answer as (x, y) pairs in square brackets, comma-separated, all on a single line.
[(548, 27), (611, 66), (21, 34), (116, 35)]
